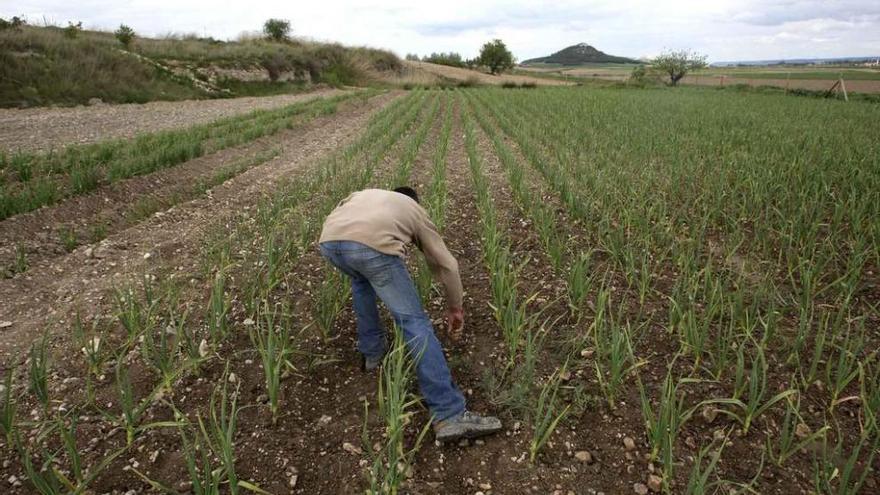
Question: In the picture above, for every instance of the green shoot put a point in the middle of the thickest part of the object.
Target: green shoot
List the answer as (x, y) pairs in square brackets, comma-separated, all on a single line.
[(547, 413)]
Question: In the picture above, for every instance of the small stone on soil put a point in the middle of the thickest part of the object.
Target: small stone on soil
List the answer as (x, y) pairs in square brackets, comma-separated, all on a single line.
[(584, 456), (629, 443), (640, 489), (351, 449), (655, 483), (709, 414), (802, 430)]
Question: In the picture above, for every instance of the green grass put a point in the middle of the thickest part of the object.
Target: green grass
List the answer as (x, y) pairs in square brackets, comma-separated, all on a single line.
[(750, 229)]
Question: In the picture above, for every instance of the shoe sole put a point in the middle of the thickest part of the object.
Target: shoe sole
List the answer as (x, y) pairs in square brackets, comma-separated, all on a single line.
[(469, 435)]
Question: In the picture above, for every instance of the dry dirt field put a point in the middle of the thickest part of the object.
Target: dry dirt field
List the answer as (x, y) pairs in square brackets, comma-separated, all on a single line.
[(40, 129), (424, 72), (621, 74)]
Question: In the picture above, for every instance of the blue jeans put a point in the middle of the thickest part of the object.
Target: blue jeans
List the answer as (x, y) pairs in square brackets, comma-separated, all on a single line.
[(373, 273)]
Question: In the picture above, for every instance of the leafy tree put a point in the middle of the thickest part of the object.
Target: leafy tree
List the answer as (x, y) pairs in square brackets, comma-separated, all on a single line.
[(676, 64), (72, 30), (125, 35), (496, 57), (14, 23), (412, 57), (277, 29)]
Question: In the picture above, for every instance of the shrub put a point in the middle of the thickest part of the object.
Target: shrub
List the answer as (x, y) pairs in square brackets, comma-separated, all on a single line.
[(638, 73), (277, 29), (72, 30), (470, 82), (275, 64), (339, 74), (508, 84), (125, 35)]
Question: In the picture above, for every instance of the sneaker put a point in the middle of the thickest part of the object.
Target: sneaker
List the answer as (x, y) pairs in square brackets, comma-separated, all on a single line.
[(371, 363), (467, 425)]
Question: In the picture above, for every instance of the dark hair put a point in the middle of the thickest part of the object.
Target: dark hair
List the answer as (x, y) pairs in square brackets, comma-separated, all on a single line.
[(408, 191)]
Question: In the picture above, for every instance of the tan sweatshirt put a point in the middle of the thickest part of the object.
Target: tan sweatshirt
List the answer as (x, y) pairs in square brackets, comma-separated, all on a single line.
[(387, 221)]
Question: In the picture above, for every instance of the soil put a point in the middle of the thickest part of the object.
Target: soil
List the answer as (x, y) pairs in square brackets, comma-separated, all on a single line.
[(43, 129)]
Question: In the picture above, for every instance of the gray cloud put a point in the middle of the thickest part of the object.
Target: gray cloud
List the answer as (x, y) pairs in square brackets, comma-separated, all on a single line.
[(783, 12), (723, 29)]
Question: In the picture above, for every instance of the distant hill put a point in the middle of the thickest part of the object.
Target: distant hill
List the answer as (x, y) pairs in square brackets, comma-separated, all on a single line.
[(581, 53)]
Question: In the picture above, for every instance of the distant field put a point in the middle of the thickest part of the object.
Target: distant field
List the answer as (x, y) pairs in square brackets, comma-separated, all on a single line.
[(859, 80), (798, 73)]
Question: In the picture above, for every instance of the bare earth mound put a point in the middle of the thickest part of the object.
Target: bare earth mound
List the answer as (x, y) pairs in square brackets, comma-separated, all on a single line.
[(457, 74), (40, 129)]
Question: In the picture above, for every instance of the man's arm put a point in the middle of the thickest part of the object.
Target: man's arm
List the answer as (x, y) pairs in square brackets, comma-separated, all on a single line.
[(441, 262), (444, 267)]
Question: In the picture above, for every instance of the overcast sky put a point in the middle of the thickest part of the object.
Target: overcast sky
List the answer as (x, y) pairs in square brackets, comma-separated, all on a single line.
[(723, 29)]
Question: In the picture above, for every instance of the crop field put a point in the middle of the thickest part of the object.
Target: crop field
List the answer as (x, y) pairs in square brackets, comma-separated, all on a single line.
[(858, 80), (672, 291)]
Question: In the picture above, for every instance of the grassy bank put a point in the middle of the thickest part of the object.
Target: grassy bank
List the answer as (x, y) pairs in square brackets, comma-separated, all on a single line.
[(47, 66)]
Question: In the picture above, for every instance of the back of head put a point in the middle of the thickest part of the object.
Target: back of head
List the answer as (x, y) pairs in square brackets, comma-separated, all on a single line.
[(407, 191)]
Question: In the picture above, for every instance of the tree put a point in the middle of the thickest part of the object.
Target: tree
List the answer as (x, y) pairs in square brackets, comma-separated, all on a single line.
[(495, 56), (14, 23), (676, 64), (125, 35), (277, 29), (452, 59), (412, 57)]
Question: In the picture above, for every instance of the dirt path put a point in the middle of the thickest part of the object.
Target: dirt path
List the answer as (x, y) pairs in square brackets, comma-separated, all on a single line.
[(46, 297), (459, 74), (41, 129)]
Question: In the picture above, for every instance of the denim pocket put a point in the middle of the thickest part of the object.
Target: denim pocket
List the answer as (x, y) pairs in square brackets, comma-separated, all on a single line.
[(377, 267)]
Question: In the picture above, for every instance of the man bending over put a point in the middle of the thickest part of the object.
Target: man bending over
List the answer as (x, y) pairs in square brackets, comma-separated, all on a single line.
[(365, 237)]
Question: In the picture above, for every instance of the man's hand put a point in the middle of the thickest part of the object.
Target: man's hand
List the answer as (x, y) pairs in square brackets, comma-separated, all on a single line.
[(455, 322)]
